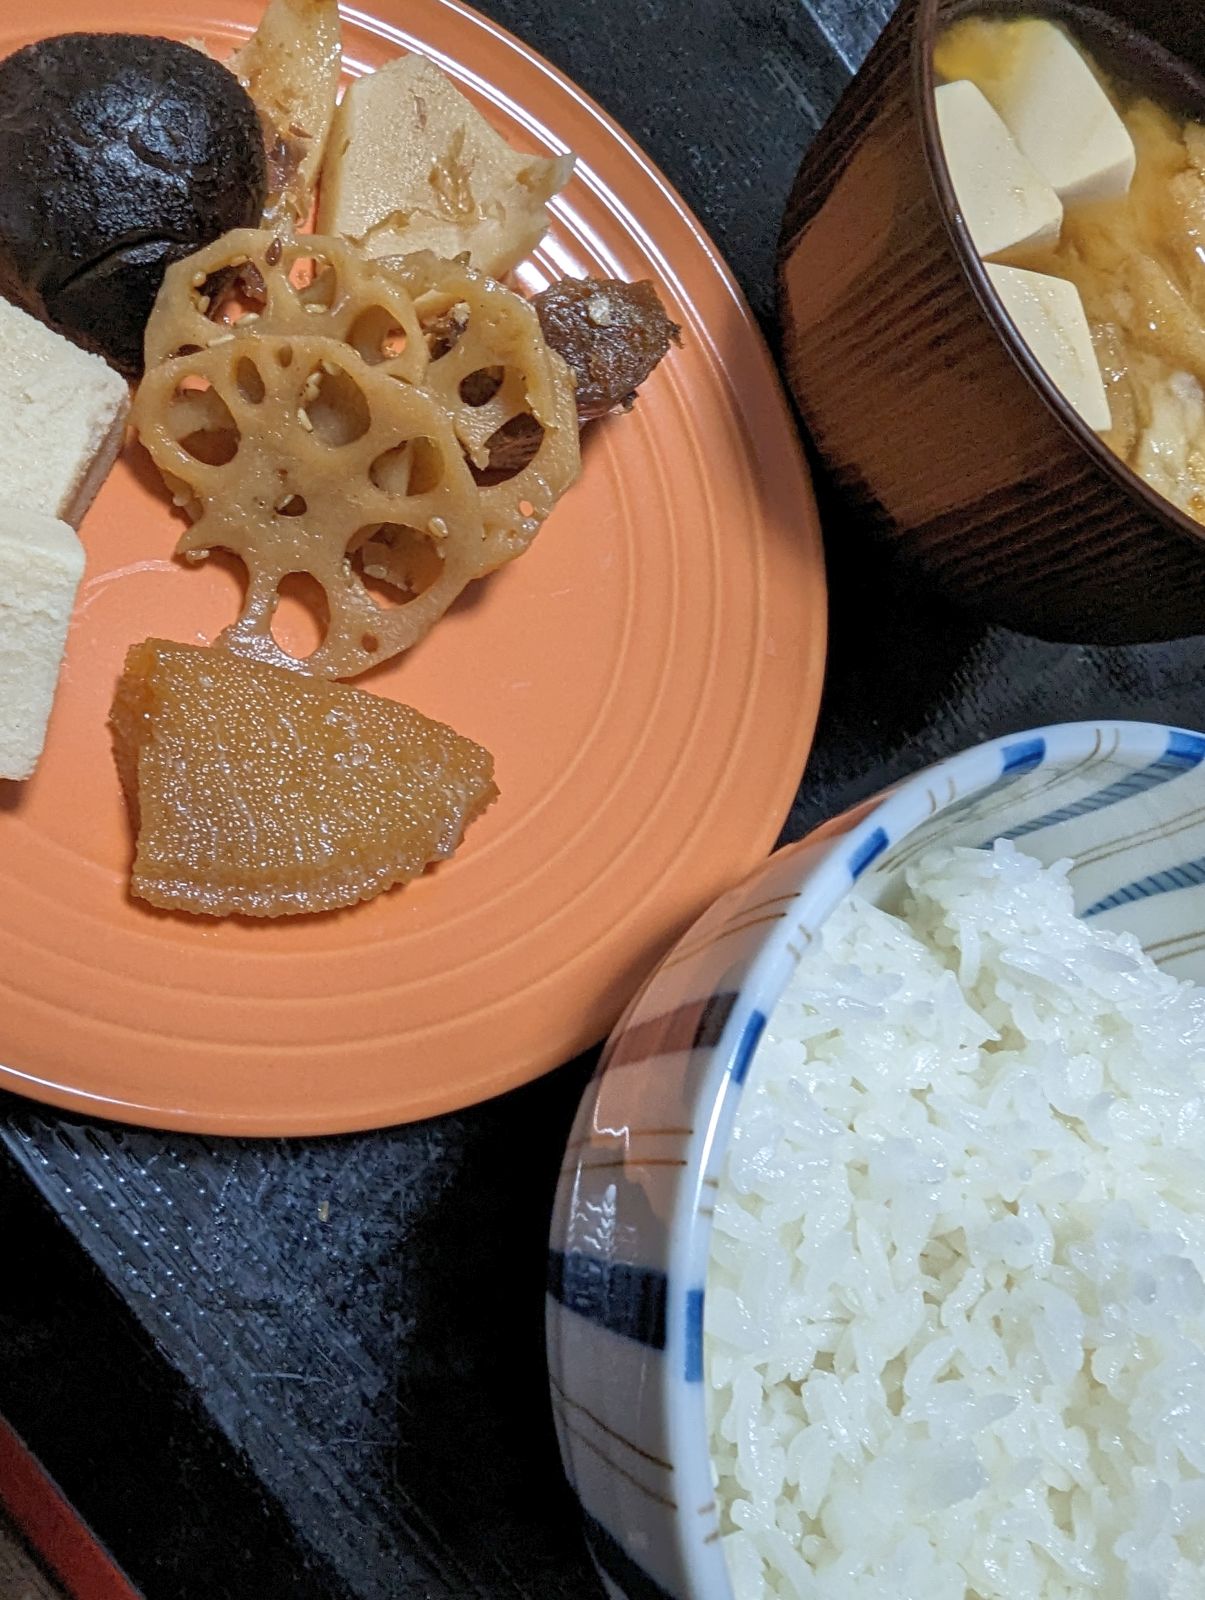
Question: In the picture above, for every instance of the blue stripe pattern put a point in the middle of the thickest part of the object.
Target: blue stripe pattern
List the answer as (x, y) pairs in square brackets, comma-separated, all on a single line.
[(870, 848), (1189, 875), (1023, 756), (1184, 752), (743, 1055), (624, 1299), (1186, 748), (693, 1368)]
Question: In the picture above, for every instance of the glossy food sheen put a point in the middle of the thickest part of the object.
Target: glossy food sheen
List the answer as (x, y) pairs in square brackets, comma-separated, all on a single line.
[(610, 332), (412, 165), (119, 154), (290, 68), (257, 791), (322, 436)]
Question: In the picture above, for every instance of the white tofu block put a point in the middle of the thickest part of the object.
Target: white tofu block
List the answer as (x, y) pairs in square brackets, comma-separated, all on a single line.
[(1059, 114), (1004, 199), (41, 563), (65, 411), (1049, 316)]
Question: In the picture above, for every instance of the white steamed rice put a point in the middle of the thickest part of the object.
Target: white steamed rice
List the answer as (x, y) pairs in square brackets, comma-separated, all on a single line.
[(955, 1339)]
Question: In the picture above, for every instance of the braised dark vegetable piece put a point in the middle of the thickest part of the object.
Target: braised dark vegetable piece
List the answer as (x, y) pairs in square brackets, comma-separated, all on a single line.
[(611, 333), (119, 154)]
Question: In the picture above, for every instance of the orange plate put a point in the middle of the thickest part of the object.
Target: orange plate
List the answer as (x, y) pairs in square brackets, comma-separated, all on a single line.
[(647, 677)]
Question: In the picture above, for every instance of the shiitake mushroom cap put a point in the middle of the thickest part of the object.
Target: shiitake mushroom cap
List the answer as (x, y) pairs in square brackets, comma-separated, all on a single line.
[(119, 154)]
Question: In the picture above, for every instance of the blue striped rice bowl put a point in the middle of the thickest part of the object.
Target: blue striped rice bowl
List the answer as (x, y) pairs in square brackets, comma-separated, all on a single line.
[(627, 1265)]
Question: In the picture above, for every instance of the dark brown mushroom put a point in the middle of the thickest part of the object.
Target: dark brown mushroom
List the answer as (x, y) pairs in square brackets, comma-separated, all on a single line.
[(119, 154)]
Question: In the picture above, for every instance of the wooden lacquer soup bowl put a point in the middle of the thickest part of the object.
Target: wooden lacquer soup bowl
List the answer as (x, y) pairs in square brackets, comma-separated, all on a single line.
[(932, 415)]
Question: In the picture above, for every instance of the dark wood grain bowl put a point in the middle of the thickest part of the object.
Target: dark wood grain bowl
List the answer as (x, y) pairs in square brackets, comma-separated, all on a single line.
[(936, 422)]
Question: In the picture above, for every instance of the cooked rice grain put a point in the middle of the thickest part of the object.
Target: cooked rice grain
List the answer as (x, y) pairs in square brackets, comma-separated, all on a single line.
[(955, 1336)]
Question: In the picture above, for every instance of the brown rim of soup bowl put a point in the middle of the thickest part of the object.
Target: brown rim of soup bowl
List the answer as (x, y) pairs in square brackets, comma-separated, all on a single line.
[(985, 479)]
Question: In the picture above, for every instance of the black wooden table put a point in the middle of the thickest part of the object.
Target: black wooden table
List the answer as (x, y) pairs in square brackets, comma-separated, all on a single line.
[(315, 1369)]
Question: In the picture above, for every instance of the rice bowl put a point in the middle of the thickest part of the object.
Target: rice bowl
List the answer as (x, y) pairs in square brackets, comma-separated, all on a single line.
[(657, 1338)]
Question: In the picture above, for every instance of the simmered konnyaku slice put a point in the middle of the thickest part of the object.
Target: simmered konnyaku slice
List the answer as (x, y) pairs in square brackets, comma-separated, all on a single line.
[(255, 790)]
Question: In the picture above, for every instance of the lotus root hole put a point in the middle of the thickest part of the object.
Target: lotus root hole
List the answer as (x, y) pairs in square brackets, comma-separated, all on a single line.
[(416, 466), (293, 505), (395, 563), (302, 617), (376, 337), (480, 387), (335, 405), (232, 294), (511, 450), (250, 384), (203, 425), (301, 273), (214, 449), (315, 282)]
